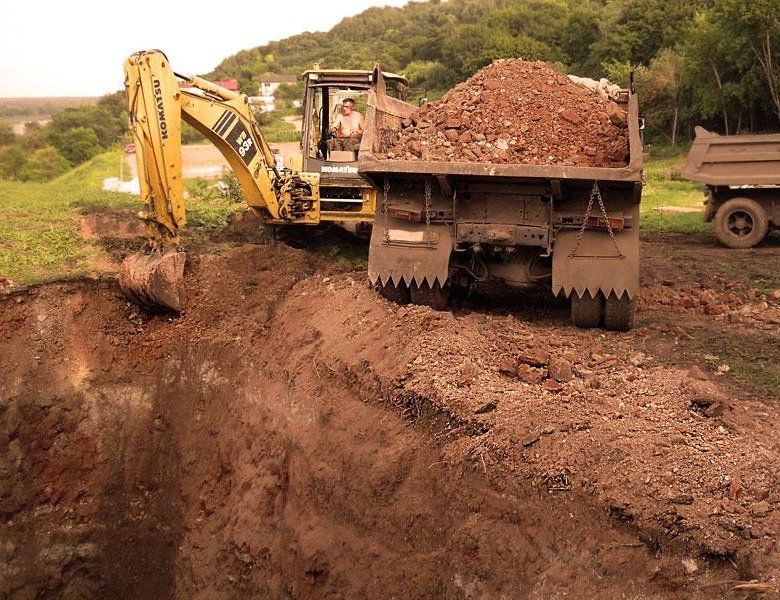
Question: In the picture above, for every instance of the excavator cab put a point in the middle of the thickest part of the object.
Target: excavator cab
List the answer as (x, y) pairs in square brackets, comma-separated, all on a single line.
[(344, 196)]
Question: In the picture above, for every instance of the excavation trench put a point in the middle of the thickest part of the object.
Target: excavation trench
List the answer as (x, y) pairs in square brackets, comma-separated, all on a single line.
[(253, 448)]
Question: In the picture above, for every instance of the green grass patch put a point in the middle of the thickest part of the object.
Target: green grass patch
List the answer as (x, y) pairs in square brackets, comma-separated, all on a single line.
[(39, 229), (666, 187), (39, 232)]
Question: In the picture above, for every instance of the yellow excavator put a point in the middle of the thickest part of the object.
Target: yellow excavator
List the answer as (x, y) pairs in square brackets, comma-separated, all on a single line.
[(158, 99)]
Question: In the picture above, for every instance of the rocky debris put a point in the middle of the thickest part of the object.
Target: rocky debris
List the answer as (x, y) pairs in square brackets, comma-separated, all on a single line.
[(516, 112), (560, 369)]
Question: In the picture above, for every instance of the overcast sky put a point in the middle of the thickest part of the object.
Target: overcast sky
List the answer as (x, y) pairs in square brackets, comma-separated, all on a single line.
[(76, 47)]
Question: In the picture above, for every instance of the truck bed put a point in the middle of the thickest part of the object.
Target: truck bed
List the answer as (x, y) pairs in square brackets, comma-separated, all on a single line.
[(384, 117), (733, 160)]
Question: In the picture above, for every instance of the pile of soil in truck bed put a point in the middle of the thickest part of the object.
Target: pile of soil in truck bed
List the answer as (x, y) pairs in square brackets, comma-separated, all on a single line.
[(515, 111)]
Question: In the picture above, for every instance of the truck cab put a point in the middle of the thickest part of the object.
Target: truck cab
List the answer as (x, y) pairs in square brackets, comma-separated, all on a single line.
[(344, 195)]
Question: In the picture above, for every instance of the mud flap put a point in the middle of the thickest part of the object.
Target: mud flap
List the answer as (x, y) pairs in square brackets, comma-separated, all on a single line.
[(412, 252), (597, 266)]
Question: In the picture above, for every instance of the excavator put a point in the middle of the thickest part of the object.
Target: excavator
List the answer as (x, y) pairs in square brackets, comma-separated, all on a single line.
[(319, 184)]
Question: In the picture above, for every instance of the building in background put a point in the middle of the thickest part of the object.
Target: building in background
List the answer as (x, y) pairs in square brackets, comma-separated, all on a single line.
[(267, 90)]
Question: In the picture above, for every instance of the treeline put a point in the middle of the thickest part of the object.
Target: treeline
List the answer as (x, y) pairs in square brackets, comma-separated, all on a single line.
[(72, 137), (709, 62)]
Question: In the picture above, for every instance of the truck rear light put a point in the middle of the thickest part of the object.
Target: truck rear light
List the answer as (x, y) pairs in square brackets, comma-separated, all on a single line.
[(617, 223), (405, 214)]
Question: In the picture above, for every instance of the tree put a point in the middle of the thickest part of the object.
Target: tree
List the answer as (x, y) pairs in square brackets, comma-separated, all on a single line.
[(661, 88), (44, 164), (756, 24), (78, 144), (7, 135), (12, 160)]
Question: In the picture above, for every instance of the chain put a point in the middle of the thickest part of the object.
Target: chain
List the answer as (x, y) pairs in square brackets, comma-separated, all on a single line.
[(595, 194), (606, 219), (427, 209), (385, 192)]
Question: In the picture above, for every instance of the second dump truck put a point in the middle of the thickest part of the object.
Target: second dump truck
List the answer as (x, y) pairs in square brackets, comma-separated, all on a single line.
[(445, 225), (741, 174)]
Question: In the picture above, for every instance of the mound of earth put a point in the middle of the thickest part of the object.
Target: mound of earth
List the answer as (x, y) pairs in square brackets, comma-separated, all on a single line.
[(514, 111)]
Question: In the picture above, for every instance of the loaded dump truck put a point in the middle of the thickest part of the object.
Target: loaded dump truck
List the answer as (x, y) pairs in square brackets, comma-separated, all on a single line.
[(741, 174), (446, 219)]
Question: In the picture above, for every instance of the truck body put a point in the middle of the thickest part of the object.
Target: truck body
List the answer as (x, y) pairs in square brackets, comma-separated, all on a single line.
[(444, 225), (741, 175)]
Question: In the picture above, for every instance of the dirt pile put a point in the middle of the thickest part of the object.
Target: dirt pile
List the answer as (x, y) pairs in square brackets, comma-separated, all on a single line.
[(515, 111)]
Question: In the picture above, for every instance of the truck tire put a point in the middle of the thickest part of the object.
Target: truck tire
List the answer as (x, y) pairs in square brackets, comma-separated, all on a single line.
[(436, 297), (586, 310), (741, 223), (619, 312), (395, 293)]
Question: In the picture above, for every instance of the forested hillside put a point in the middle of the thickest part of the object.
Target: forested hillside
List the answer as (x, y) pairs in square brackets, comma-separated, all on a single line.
[(711, 62)]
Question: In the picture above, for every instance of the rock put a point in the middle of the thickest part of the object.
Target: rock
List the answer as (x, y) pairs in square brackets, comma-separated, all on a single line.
[(570, 116), (486, 408), (415, 148), (534, 357), (775, 294), (453, 123), (560, 369), (696, 373), (492, 85), (530, 439), (681, 499), (452, 135), (760, 509), (552, 386), (716, 409), (735, 489), (690, 566), (638, 359), (508, 366), (528, 374), (617, 115)]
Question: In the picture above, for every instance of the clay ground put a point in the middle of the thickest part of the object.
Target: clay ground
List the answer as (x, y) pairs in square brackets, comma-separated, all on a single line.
[(293, 435)]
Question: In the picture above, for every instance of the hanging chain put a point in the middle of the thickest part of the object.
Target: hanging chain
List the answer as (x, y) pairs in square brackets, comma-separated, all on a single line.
[(427, 209), (385, 192), (595, 194)]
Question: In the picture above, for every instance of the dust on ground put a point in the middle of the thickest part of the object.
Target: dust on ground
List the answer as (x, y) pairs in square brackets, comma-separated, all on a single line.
[(293, 434)]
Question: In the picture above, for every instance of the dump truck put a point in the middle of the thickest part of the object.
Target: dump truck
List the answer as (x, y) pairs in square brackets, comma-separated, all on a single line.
[(741, 175), (442, 226)]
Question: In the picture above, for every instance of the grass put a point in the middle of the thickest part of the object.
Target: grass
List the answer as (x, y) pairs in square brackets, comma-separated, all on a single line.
[(665, 187), (39, 238)]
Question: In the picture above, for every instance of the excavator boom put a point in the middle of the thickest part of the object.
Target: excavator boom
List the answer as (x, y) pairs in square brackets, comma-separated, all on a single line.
[(158, 99)]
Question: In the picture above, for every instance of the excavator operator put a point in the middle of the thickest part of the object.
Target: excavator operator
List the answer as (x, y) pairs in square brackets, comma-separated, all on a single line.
[(347, 128)]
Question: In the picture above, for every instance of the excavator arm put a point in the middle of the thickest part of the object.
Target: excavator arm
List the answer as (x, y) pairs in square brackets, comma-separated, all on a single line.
[(158, 99)]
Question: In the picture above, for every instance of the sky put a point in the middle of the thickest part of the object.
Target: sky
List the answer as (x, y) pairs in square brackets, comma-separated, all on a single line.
[(77, 47)]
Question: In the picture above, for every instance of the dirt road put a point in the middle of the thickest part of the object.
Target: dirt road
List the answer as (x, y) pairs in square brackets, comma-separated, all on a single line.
[(294, 435)]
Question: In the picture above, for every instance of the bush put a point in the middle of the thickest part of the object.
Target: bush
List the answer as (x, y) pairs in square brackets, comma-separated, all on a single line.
[(44, 164), (78, 145), (12, 160)]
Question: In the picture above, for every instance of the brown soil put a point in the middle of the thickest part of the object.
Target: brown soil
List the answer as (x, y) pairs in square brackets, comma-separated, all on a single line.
[(515, 111), (293, 435)]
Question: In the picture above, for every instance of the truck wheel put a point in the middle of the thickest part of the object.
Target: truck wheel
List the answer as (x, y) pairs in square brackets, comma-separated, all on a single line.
[(436, 297), (619, 312), (586, 310), (395, 293), (741, 223)]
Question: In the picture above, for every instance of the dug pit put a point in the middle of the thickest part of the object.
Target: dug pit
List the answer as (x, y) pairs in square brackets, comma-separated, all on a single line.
[(283, 439)]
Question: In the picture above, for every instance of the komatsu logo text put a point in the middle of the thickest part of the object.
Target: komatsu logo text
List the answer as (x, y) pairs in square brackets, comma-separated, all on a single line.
[(341, 169), (160, 109)]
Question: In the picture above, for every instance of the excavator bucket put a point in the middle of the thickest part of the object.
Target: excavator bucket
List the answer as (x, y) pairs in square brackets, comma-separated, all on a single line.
[(154, 280)]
